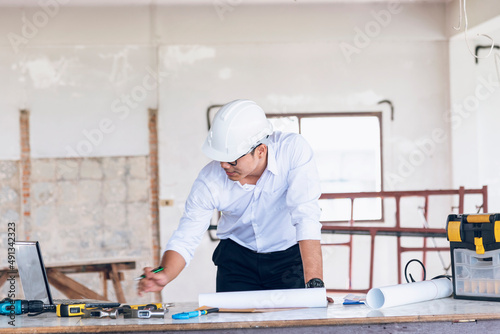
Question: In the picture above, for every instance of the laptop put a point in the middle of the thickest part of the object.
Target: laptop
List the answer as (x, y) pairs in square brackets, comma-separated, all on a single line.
[(32, 272), (34, 277)]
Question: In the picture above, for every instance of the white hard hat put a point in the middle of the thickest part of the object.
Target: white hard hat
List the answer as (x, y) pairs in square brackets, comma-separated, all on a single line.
[(237, 127)]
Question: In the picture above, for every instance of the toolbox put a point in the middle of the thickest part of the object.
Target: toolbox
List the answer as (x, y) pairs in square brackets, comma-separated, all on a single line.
[(475, 255)]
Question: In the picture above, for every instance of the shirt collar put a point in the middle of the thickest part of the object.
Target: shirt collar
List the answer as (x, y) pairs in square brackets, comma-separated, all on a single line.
[(271, 160)]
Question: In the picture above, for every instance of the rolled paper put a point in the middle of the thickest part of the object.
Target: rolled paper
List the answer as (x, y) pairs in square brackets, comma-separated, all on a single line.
[(408, 293), (314, 297)]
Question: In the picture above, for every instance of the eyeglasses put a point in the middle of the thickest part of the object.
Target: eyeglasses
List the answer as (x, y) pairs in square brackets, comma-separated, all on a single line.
[(235, 162)]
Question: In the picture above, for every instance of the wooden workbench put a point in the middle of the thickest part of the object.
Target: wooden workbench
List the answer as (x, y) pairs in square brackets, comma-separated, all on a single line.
[(442, 316), (108, 270)]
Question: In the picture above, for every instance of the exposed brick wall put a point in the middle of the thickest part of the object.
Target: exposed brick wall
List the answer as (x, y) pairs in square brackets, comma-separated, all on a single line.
[(82, 209), (25, 172), (154, 189), (154, 186), (99, 208)]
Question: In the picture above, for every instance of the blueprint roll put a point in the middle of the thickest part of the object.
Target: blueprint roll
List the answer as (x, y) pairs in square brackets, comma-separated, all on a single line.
[(402, 294), (315, 297)]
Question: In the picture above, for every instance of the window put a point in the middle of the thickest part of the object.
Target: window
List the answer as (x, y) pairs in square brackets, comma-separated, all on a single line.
[(347, 149)]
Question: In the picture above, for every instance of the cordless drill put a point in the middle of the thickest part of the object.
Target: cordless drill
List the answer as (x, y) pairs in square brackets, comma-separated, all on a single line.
[(19, 306)]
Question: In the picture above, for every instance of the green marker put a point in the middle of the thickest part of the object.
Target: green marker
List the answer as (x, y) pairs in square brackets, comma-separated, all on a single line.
[(156, 270)]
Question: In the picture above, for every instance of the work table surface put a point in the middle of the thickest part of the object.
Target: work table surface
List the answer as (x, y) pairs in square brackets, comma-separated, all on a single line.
[(442, 310)]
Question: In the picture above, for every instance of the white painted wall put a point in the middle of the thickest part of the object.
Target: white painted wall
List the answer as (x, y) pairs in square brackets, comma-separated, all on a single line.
[(286, 57), (475, 114), (87, 90)]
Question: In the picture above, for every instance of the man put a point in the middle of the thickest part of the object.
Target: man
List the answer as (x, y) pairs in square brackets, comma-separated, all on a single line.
[(266, 187)]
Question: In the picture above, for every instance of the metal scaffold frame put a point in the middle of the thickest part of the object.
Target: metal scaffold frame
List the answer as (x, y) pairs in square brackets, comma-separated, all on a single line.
[(397, 231)]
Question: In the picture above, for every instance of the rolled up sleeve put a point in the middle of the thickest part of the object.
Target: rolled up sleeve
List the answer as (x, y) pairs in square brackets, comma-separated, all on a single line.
[(194, 223)]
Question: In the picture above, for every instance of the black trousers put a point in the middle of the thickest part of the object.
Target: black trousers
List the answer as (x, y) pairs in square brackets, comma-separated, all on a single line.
[(241, 269)]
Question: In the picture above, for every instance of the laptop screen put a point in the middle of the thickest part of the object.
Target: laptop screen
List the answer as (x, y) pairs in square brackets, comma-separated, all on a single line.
[(32, 271)]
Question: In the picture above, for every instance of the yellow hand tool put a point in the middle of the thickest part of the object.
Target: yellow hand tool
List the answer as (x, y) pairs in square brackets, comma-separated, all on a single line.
[(77, 310)]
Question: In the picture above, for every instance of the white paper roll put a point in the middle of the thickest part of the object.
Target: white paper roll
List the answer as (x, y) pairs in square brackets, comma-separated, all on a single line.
[(315, 297), (402, 294)]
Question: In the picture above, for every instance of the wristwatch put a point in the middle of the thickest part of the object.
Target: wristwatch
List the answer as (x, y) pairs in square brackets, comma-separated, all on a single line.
[(315, 283)]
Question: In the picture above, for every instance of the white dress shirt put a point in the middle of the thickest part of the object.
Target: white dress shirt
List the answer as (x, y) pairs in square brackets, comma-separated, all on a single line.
[(272, 215)]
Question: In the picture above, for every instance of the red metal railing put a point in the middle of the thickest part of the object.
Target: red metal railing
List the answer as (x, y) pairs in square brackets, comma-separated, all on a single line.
[(397, 231)]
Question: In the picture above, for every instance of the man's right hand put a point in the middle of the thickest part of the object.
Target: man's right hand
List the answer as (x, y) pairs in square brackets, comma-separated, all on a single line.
[(172, 263), (153, 282)]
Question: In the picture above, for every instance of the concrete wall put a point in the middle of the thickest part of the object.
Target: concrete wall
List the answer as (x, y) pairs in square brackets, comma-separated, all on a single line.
[(86, 66)]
